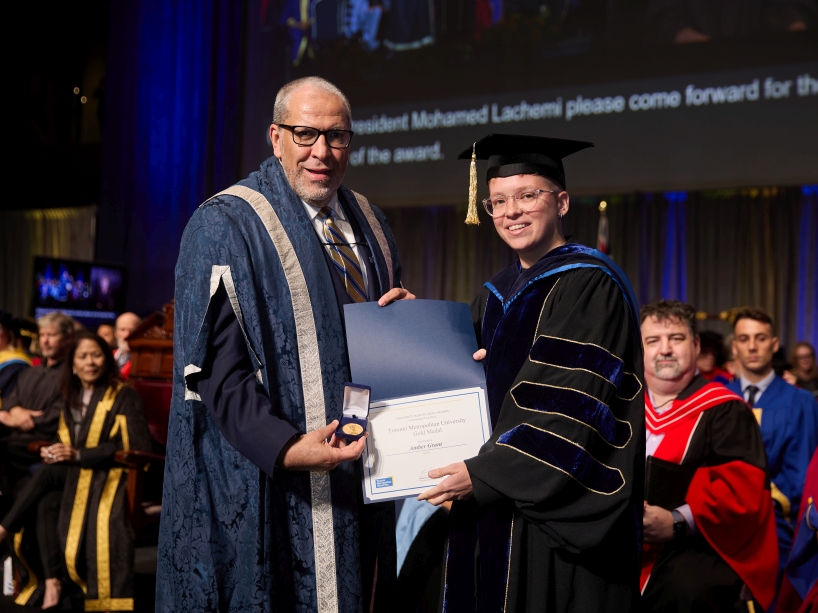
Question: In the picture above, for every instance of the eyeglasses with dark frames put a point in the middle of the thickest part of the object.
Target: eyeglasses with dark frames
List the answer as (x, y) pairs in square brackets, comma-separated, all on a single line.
[(526, 201), (307, 136)]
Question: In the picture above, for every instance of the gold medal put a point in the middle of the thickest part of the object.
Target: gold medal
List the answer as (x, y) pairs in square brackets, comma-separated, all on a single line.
[(352, 429)]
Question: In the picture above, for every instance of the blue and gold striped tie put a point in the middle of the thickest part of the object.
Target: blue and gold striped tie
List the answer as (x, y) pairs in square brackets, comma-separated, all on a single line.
[(344, 258)]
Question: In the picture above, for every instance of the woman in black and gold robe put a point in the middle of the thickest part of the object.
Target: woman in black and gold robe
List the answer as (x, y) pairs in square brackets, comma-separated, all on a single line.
[(547, 517), (82, 490)]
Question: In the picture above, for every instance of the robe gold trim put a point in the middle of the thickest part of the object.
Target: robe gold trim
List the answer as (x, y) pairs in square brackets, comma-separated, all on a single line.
[(31, 585), (62, 431), (104, 511), (106, 503)]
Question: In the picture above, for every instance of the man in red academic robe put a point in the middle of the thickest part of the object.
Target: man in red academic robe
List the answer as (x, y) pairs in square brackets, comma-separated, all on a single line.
[(717, 547)]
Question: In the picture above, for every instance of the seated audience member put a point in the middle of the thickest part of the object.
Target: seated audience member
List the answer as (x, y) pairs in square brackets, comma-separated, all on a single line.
[(79, 483), (700, 548), (788, 417), (31, 411), (804, 372), (108, 333), (696, 21), (125, 324), (730, 363), (12, 360), (799, 587), (26, 332), (711, 357)]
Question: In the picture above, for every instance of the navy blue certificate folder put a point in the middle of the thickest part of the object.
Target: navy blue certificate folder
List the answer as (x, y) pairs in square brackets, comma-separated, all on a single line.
[(412, 347)]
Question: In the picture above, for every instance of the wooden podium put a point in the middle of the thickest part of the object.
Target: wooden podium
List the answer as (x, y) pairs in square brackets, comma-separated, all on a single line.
[(152, 346), (152, 368), (151, 375)]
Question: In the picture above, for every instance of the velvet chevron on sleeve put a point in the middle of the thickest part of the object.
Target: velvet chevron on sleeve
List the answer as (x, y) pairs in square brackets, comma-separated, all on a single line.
[(558, 487)]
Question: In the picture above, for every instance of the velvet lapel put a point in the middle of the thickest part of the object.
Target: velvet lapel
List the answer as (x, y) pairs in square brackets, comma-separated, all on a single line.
[(510, 282)]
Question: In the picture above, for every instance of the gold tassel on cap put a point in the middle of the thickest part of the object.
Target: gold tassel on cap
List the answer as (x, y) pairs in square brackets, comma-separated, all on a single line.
[(471, 216)]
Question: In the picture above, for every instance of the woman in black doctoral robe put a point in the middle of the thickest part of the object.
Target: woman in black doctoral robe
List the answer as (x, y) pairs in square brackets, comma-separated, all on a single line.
[(71, 521), (547, 517)]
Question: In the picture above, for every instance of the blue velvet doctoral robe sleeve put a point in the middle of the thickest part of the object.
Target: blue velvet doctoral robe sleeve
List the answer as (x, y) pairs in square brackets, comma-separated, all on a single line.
[(233, 395), (570, 436)]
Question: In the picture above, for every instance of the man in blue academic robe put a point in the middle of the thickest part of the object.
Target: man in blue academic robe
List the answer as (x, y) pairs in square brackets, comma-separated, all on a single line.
[(260, 512), (788, 417)]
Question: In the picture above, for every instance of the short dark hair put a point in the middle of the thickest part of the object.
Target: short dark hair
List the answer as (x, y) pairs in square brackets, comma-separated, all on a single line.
[(712, 343), (70, 385), (756, 314), (671, 310)]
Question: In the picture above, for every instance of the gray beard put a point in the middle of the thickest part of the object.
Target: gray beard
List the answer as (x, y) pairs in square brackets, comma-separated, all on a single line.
[(667, 373), (311, 194)]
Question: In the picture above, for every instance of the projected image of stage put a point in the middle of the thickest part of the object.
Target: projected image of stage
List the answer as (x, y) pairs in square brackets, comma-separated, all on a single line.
[(89, 292), (426, 77)]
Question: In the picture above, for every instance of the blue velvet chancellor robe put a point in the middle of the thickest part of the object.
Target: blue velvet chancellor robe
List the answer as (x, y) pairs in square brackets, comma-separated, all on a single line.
[(788, 417), (555, 522), (233, 537)]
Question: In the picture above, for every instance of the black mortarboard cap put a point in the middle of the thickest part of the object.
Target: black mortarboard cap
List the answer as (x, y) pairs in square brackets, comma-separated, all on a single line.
[(517, 154), (24, 326)]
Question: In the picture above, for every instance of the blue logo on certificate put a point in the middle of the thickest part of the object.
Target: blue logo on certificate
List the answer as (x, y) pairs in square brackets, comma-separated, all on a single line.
[(385, 482)]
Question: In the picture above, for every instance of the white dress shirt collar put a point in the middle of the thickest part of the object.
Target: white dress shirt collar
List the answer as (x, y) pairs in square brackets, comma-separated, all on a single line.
[(761, 385), (334, 204)]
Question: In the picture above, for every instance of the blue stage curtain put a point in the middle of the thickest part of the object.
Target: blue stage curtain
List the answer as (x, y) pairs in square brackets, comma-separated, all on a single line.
[(807, 301), (716, 250), (674, 270), (172, 131)]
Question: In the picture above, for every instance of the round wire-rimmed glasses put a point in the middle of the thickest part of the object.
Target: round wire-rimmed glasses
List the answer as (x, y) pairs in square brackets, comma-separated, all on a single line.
[(526, 201), (307, 136)]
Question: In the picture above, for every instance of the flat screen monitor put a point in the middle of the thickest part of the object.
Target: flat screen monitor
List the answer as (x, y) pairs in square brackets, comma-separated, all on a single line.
[(93, 293)]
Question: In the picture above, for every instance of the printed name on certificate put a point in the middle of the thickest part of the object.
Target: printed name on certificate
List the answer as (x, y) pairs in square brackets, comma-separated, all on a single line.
[(410, 436)]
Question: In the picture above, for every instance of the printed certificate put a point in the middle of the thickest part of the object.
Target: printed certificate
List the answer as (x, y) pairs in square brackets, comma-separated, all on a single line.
[(411, 435)]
